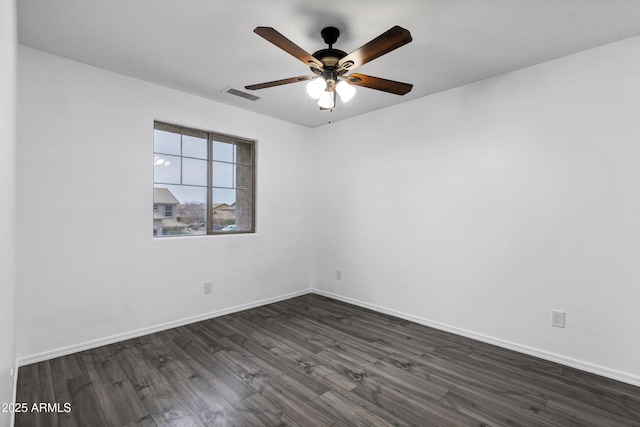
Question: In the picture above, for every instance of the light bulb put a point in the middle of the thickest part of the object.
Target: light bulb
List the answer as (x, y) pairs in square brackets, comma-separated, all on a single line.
[(345, 90), (315, 87), (326, 99), (157, 160)]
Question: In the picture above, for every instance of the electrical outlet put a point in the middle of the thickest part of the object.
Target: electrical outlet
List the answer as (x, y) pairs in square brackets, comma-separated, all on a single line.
[(557, 319), (338, 274), (208, 287)]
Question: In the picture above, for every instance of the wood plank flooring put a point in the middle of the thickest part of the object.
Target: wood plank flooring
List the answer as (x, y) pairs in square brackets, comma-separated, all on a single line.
[(314, 361)]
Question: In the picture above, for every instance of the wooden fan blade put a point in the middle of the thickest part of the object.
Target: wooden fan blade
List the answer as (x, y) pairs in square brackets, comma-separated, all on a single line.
[(384, 43), (287, 45), (378, 83), (279, 82)]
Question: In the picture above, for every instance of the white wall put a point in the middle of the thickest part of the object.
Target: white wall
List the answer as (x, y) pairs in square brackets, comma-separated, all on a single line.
[(8, 197), (88, 268), (478, 210), (481, 209)]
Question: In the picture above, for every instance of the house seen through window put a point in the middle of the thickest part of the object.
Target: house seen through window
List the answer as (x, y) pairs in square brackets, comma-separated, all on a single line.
[(203, 182)]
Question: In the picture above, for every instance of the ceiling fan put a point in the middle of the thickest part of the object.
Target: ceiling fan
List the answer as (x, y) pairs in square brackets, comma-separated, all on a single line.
[(331, 66)]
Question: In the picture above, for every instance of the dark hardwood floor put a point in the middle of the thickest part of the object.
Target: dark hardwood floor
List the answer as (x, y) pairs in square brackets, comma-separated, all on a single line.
[(313, 361)]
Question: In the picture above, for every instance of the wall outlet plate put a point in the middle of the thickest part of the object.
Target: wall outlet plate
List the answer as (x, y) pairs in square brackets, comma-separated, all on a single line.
[(208, 287), (557, 319)]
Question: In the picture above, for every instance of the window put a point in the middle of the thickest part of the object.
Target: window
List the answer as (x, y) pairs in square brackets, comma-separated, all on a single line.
[(203, 182)]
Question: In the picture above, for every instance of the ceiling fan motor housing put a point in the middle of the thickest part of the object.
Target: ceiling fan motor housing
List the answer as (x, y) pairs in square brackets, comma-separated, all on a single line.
[(330, 35), (329, 57)]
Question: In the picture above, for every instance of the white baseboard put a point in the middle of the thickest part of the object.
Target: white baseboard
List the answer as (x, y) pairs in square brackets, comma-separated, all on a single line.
[(574, 363), (64, 351)]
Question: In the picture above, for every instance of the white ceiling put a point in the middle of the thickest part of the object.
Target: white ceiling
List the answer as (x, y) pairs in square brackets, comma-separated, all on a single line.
[(206, 46)]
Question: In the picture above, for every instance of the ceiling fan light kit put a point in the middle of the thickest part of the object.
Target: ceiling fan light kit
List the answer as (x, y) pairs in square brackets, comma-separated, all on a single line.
[(315, 87), (332, 65), (345, 91), (327, 100)]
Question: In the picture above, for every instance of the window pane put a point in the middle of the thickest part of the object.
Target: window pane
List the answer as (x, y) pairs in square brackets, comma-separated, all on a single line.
[(193, 209), (223, 210), (223, 174), (194, 147), (223, 195), (187, 193), (181, 210), (166, 142), (223, 151), (194, 172), (166, 169)]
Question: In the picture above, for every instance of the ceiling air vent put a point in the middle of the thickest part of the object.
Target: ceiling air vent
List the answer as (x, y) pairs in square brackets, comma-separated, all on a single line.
[(241, 94)]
